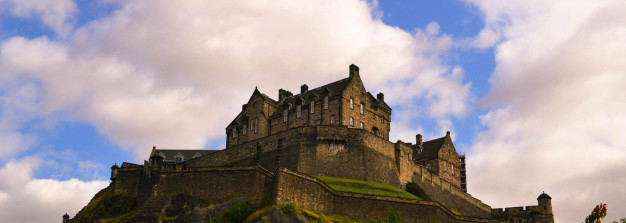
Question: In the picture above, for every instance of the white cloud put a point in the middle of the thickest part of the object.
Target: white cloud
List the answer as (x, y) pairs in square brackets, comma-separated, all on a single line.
[(173, 74), (20, 193), (557, 110), (56, 14)]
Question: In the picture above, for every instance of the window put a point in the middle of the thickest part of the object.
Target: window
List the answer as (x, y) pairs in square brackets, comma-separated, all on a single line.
[(428, 166), (254, 104), (312, 107), (452, 169), (298, 110), (351, 104), (234, 133), (362, 105), (326, 102), (351, 121), (245, 127), (256, 125), (445, 166), (285, 115), (362, 125), (332, 119), (179, 159)]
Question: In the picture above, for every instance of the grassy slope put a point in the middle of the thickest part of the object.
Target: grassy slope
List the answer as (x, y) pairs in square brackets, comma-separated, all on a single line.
[(366, 187)]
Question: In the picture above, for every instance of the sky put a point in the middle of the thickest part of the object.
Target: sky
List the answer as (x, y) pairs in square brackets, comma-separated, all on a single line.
[(534, 92)]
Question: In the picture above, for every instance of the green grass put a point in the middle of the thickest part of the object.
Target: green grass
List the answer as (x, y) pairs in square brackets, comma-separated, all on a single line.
[(456, 212), (366, 187)]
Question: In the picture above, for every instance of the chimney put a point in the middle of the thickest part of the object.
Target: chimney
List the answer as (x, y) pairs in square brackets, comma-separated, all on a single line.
[(447, 133), (282, 94), (304, 88), (380, 96), (418, 139), (354, 71)]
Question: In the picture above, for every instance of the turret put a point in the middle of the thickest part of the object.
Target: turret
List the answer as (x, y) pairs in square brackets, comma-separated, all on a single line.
[(66, 218), (545, 201), (114, 170), (156, 160)]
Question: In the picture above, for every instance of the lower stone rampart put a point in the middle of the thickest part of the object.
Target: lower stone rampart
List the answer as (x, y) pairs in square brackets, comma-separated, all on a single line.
[(215, 184), (438, 189), (309, 192)]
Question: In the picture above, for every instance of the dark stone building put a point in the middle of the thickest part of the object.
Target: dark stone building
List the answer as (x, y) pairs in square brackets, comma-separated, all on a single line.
[(274, 148)]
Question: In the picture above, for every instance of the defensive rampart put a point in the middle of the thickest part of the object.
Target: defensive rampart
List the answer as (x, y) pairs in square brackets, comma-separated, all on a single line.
[(438, 189), (326, 150), (302, 190)]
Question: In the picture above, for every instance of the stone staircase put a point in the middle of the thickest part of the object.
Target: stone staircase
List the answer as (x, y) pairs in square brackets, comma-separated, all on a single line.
[(154, 205)]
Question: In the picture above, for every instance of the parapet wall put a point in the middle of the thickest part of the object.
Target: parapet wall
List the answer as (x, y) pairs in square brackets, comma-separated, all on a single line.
[(305, 191), (444, 192)]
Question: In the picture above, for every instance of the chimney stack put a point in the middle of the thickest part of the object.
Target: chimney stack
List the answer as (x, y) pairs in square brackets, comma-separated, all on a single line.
[(354, 71), (304, 88), (418, 139), (380, 96)]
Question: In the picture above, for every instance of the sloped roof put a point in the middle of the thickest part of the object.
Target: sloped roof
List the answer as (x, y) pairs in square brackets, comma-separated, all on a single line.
[(333, 88), (544, 196), (429, 148), (187, 154)]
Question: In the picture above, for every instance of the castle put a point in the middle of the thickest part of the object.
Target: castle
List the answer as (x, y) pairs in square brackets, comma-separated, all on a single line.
[(280, 148)]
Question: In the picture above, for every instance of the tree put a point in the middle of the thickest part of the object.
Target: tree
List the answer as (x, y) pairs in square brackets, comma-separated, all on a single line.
[(598, 213)]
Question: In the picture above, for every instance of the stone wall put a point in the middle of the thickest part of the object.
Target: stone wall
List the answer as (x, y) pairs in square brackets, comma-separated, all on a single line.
[(327, 150), (373, 117), (437, 189), (215, 184), (528, 214), (305, 191)]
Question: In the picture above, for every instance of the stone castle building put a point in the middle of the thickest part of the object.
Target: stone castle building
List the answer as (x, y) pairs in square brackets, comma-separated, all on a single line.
[(275, 148)]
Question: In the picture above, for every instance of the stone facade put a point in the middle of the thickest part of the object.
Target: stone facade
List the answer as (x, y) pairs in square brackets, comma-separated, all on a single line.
[(274, 147)]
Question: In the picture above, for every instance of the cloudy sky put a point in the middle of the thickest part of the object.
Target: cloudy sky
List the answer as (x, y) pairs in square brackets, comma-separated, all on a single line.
[(534, 92)]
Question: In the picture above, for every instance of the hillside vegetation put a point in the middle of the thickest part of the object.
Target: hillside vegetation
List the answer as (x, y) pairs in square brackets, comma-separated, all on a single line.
[(365, 187)]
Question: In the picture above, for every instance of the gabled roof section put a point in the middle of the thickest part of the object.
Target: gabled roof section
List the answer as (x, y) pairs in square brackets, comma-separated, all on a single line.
[(187, 154), (381, 103), (430, 149), (332, 88), (241, 116), (266, 98)]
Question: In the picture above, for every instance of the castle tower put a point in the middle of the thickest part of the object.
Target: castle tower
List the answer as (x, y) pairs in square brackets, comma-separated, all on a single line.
[(545, 201), (114, 170)]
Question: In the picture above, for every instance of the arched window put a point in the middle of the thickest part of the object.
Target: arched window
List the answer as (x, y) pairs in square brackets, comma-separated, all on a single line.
[(285, 115)]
